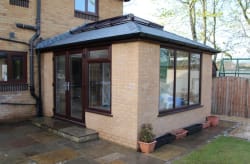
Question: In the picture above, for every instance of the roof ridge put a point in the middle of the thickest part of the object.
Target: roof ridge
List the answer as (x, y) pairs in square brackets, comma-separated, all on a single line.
[(114, 21)]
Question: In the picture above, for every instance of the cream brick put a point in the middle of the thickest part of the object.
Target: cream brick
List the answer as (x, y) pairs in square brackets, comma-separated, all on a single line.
[(57, 17)]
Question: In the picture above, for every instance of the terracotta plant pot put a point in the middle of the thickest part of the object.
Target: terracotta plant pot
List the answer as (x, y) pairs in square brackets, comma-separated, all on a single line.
[(180, 133), (214, 120), (147, 147), (206, 124)]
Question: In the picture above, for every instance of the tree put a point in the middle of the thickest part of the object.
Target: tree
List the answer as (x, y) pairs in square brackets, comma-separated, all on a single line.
[(192, 16), (245, 5)]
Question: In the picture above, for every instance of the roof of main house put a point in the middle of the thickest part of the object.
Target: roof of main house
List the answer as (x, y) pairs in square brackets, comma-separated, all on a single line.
[(116, 29)]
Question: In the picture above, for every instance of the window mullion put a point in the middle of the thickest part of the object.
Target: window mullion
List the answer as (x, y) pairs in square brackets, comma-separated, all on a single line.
[(174, 88), (86, 6), (189, 68)]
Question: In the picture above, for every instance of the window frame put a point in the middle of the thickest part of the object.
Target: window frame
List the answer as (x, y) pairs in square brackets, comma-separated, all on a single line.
[(10, 55), (186, 107), (87, 14), (88, 61)]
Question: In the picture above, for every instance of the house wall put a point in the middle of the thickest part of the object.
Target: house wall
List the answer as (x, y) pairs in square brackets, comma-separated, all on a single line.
[(57, 16), (148, 98), (135, 94), (122, 126), (47, 74)]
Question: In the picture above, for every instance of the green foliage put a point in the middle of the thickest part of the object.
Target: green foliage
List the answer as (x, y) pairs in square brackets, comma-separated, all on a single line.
[(226, 150), (146, 133)]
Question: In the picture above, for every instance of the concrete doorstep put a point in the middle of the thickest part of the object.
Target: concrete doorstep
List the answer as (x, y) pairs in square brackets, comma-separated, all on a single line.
[(67, 130)]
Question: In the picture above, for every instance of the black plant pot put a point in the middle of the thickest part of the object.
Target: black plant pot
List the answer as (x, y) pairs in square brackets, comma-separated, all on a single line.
[(165, 139), (193, 129)]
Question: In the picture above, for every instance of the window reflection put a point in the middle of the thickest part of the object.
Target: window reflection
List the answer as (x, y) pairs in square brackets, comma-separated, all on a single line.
[(179, 79), (166, 79), (99, 86)]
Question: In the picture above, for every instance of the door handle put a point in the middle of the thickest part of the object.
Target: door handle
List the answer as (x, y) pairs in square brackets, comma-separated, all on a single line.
[(66, 86)]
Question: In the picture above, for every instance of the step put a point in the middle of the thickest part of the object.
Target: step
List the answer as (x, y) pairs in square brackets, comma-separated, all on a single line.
[(65, 129)]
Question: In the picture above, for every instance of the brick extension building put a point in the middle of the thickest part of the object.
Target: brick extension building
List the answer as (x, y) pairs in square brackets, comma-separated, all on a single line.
[(111, 75)]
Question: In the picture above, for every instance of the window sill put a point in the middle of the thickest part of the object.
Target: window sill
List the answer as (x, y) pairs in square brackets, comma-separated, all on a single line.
[(99, 112), (83, 15), (184, 109)]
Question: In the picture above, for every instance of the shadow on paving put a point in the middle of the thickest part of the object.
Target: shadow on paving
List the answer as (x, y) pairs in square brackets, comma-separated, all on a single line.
[(181, 147)]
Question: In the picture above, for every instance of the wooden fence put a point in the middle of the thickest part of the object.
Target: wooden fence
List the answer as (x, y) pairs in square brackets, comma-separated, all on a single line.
[(231, 96)]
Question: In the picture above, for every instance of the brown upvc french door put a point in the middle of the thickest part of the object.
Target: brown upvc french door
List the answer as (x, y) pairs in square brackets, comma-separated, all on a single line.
[(68, 87)]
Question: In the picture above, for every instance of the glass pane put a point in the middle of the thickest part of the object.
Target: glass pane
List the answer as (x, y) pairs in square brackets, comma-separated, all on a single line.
[(194, 79), (181, 98), (98, 54), (99, 86), (60, 84), (17, 68), (3, 67), (76, 85), (91, 6), (166, 79), (80, 5)]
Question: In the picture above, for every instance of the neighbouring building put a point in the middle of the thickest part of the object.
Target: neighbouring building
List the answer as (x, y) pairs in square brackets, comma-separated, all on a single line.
[(109, 73), (22, 24)]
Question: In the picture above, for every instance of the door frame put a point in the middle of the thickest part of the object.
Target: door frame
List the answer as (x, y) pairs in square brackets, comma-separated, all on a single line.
[(67, 116)]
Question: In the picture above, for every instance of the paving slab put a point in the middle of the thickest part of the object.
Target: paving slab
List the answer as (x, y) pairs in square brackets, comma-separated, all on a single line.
[(57, 156)]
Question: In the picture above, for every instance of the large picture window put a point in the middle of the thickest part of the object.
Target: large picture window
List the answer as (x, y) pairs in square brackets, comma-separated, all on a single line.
[(13, 67), (179, 80), (99, 80)]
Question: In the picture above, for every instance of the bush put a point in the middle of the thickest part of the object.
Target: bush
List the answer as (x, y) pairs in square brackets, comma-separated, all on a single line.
[(146, 133)]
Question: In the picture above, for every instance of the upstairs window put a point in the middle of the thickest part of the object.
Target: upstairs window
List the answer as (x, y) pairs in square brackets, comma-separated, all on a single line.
[(13, 67), (21, 3), (86, 9)]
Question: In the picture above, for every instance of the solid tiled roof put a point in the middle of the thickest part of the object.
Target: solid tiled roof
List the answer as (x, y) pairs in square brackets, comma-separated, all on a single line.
[(119, 28)]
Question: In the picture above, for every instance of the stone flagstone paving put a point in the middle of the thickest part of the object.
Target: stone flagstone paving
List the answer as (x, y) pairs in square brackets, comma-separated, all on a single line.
[(23, 143)]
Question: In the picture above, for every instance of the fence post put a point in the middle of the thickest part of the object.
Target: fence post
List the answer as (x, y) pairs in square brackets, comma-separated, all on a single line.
[(246, 98)]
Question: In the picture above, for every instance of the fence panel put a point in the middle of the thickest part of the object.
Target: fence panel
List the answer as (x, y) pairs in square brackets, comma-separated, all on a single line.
[(231, 96)]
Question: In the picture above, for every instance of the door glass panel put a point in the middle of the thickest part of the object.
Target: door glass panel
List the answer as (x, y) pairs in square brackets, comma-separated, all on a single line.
[(76, 85), (60, 84), (99, 86)]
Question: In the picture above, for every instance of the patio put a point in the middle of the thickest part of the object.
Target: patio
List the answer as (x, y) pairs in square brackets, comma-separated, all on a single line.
[(25, 143)]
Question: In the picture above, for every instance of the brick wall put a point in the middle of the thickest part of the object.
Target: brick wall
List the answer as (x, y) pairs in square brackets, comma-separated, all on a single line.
[(57, 17), (149, 93), (16, 112), (135, 94), (122, 127)]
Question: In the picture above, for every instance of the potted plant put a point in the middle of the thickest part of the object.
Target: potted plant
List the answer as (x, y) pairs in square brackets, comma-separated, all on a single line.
[(214, 120), (146, 139)]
